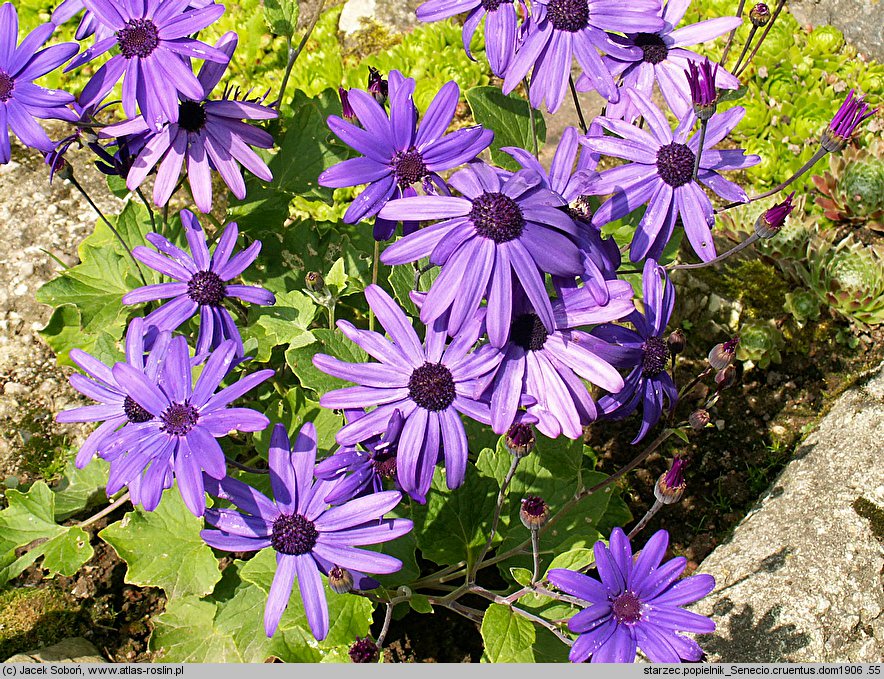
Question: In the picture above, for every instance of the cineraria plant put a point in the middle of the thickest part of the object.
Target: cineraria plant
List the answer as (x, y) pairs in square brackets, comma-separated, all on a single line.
[(449, 439)]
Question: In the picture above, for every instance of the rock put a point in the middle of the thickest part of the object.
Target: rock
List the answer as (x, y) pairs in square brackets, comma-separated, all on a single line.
[(394, 14), (859, 20), (800, 580), (75, 649)]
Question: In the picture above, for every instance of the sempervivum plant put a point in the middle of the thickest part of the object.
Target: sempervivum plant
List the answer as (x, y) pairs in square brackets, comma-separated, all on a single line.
[(853, 188), (848, 276)]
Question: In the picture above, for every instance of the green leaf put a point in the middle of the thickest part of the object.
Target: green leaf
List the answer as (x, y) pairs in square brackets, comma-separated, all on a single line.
[(521, 576), (30, 517), (510, 638), (285, 323), (454, 524), (163, 548), (336, 278), (510, 118), (281, 17), (294, 409), (185, 632), (96, 285), (300, 360), (80, 489), (420, 603)]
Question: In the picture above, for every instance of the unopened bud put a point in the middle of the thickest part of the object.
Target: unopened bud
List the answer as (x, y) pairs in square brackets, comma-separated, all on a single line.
[(759, 15), (534, 512), (364, 651), (771, 221), (676, 342), (347, 110), (377, 85), (340, 580), (722, 355), (315, 281), (671, 485), (726, 378), (704, 94), (520, 439), (699, 419)]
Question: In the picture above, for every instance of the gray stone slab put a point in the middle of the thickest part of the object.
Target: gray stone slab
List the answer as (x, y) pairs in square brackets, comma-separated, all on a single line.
[(75, 649), (802, 577), (861, 21)]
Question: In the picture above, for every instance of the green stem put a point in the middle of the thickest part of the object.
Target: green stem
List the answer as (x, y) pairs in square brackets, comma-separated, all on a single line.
[(699, 155), (531, 116), (295, 53), (495, 519), (104, 512), (153, 223)]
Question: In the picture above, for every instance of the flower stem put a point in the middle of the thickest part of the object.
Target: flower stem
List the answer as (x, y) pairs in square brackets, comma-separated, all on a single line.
[(247, 468), (752, 32), (699, 155), (734, 250), (375, 259), (388, 616), (730, 37), (531, 117), (113, 229), (645, 519), (780, 5), (496, 598), (577, 106), (535, 551), (295, 53), (814, 159), (501, 497), (104, 512), (153, 223)]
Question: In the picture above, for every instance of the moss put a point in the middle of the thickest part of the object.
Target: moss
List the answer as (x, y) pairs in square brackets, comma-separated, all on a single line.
[(44, 451), (759, 287), (869, 510), (33, 618)]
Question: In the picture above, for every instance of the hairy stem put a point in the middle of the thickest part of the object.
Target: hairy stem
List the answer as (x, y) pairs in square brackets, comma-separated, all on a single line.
[(780, 5), (501, 497), (730, 37), (388, 616), (295, 53), (645, 519), (746, 46), (531, 116), (577, 106), (699, 155), (104, 512)]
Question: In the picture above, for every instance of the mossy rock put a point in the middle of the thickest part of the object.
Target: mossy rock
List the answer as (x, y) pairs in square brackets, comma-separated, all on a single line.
[(33, 618)]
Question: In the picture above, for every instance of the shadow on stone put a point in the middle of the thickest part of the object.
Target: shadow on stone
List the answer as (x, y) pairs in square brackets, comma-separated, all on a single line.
[(746, 639)]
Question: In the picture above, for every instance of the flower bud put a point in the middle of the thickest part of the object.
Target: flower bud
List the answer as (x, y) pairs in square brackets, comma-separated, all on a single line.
[(315, 281), (520, 439), (850, 116), (676, 342), (377, 85), (704, 95), (671, 485), (347, 110), (726, 378), (364, 651), (340, 580), (722, 355), (759, 15), (699, 419), (771, 221), (534, 512)]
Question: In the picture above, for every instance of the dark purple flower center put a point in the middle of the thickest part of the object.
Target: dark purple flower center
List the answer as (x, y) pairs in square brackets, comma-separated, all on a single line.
[(627, 608), (179, 418), (408, 166), (675, 164), (364, 651), (432, 387), (191, 116), (491, 5), (655, 356), (293, 534), (568, 15), (498, 217), (528, 332), (207, 288), (7, 84), (654, 50), (581, 210), (134, 412), (138, 38), (384, 464), (534, 506), (340, 580)]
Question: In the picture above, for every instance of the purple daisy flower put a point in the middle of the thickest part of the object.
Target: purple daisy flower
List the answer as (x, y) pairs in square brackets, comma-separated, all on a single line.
[(661, 56), (429, 384), (208, 134), (186, 420), (501, 26), (367, 468), (637, 604), (21, 101), (89, 25), (396, 153), (116, 408), (561, 30), (661, 174), (307, 535), (501, 226), (200, 283), (645, 351), (154, 51), (601, 257), (547, 366)]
